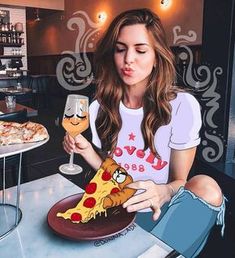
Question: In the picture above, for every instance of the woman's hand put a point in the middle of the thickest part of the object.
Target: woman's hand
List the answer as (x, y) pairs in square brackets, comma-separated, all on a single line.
[(79, 144), (82, 146), (153, 197)]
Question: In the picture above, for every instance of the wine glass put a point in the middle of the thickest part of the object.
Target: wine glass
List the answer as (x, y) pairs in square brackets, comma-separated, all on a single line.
[(75, 121)]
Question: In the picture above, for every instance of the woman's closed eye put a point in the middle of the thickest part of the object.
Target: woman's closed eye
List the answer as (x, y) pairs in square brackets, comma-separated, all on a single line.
[(141, 51), (119, 49)]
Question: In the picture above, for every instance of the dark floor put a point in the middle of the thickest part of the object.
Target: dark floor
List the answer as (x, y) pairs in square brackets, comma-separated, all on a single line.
[(46, 159)]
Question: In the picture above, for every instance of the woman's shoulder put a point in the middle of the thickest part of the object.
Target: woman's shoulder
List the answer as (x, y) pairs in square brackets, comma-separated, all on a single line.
[(93, 110), (184, 100), (94, 105)]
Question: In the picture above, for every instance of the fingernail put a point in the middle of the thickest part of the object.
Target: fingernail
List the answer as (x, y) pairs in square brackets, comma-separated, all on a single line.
[(129, 209)]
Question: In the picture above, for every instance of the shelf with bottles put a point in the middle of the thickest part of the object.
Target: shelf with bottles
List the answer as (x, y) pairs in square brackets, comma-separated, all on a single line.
[(10, 27), (11, 32), (13, 73), (11, 44), (15, 53), (11, 38)]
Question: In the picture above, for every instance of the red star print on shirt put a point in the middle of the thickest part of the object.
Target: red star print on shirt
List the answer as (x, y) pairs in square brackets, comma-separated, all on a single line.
[(131, 137)]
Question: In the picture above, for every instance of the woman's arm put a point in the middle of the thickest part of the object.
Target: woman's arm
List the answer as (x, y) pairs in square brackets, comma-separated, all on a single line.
[(180, 164)]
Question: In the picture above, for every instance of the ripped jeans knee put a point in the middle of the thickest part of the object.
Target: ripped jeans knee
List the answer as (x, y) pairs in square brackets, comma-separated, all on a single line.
[(187, 222)]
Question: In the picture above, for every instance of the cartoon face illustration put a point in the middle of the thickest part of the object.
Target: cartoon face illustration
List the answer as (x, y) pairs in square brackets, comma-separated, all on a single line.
[(76, 117), (119, 175)]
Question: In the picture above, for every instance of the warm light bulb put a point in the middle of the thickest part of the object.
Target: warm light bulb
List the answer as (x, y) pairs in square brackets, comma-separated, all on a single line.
[(165, 3), (102, 16), (37, 16)]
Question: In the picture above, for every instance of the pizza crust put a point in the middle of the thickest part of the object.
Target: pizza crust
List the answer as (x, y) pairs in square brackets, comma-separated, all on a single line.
[(15, 133)]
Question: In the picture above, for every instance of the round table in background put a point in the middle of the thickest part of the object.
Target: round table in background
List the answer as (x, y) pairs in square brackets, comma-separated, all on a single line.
[(11, 214)]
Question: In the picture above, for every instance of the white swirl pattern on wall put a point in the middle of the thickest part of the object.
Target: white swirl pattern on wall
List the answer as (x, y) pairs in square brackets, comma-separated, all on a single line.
[(204, 81), (74, 70)]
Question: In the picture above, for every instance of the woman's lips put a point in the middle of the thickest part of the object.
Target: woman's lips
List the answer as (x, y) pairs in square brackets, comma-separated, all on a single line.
[(127, 71)]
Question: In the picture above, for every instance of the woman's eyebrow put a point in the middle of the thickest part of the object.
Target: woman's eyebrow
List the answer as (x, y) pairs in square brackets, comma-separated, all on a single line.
[(137, 44)]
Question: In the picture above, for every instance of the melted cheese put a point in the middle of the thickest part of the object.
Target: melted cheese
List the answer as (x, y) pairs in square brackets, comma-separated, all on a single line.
[(103, 189)]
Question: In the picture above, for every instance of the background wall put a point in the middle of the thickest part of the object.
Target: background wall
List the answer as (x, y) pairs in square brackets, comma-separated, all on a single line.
[(47, 4), (17, 14), (53, 36)]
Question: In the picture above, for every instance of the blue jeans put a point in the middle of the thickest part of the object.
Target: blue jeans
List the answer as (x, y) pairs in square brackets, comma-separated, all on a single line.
[(185, 222)]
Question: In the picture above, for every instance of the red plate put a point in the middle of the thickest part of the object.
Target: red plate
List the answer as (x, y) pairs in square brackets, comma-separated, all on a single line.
[(117, 220)]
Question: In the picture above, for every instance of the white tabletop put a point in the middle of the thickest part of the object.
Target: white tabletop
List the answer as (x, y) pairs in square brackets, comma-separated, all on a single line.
[(12, 149), (33, 237)]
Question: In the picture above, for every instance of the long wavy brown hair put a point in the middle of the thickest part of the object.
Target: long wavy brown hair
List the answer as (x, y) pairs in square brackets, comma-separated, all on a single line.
[(110, 88)]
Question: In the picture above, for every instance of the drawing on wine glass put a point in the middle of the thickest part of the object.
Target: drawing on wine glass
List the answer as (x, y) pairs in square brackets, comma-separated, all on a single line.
[(75, 121)]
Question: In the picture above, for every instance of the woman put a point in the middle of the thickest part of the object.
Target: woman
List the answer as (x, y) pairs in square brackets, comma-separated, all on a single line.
[(152, 129)]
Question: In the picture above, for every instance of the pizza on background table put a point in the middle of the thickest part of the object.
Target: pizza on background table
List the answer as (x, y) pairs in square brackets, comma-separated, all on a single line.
[(16, 133), (106, 189)]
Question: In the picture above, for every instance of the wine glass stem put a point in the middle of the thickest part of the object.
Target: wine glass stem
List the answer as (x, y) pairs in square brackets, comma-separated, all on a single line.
[(71, 160)]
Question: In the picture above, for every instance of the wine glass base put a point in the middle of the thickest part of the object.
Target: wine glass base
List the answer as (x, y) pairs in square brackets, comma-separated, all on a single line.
[(70, 170)]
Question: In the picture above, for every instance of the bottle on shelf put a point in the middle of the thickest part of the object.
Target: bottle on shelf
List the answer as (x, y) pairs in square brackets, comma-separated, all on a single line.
[(8, 26), (2, 26), (19, 86), (4, 39), (19, 27), (13, 38)]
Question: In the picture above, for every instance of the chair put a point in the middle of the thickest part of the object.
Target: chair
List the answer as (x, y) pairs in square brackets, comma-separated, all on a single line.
[(12, 162), (26, 98), (40, 88)]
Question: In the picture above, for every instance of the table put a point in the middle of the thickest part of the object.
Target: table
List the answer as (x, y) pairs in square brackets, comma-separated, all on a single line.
[(10, 214), (33, 237), (30, 111), (15, 91)]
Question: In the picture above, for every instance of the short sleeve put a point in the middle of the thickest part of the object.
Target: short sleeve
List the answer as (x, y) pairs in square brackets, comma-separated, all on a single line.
[(186, 122), (93, 111)]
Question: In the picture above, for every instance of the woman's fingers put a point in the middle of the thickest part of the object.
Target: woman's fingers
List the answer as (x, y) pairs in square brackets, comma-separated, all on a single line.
[(156, 209), (137, 198), (138, 206), (149, 191), (149, 203), (81, 142), (144, 185), (156, 213), (147, 199), (67, 147), (68, 143)]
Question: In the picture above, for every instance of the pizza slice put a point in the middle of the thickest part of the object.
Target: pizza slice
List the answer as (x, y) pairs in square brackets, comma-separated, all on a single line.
[(105, 190), (13, 133)]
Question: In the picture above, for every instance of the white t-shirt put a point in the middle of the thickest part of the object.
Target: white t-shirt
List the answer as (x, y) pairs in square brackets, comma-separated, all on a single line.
[(181, 133)]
